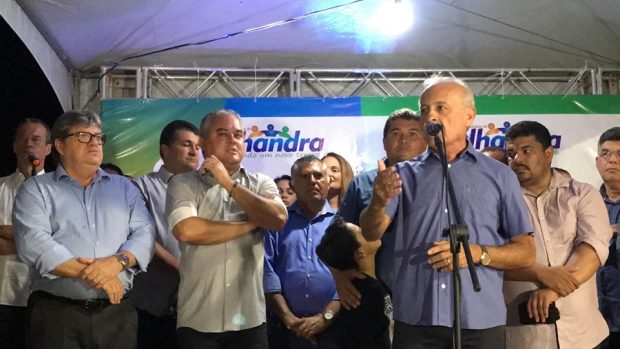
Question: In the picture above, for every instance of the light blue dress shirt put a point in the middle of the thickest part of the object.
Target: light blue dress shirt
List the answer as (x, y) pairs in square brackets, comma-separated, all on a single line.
[(493, 207), (55, 219), (156, 290)]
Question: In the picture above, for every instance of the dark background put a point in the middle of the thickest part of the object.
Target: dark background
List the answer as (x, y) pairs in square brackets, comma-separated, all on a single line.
[(24, 92)]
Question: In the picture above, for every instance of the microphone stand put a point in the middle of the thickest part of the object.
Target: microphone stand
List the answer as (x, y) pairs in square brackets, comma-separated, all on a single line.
[(459, 235)]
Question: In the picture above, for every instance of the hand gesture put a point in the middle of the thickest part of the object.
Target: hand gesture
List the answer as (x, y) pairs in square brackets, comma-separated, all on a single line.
[(100, 270), (217, 169), (560, 279), (538, 304), (310, 327), (440, 256), (349, 295), (387, 185), (114, 289)]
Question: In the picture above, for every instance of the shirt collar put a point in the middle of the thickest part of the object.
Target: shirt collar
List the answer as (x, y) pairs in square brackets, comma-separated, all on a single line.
[(558, 180), (469, 153), (605, 197), (60, 173), (21, 175), (417, 158), (326, 210), (208, 177), (164, 174)]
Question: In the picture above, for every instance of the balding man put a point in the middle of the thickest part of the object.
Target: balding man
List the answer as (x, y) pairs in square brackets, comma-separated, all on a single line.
[(412, 195), (216, 214)]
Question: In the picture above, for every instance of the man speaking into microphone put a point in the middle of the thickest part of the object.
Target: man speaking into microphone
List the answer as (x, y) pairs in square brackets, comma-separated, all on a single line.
[(31, 144), (412, 196)]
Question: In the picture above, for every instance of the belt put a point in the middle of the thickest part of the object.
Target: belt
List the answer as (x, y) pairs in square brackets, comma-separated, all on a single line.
[(88, 304)]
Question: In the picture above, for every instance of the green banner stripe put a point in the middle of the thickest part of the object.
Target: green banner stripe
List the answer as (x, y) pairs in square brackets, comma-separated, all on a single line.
[(504, 105)]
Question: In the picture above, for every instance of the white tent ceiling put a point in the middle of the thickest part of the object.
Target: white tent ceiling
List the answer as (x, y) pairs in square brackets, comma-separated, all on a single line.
[(446, 34)]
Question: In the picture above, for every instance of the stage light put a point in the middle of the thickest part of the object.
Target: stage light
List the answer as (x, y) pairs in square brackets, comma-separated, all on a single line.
[(392, 18)]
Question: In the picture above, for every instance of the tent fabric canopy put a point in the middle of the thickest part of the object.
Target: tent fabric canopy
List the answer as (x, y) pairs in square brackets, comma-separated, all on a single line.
[(445, 34)]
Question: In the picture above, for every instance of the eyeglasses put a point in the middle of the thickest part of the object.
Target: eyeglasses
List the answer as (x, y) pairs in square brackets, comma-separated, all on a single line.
[(606, 154), (86, 137)]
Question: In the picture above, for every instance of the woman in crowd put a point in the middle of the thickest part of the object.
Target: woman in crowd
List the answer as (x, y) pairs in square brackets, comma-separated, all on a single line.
[(284, 188), (340, 174)]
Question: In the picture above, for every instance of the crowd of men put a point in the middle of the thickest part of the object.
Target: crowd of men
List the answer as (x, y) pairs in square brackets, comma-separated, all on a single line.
[(212, 255)]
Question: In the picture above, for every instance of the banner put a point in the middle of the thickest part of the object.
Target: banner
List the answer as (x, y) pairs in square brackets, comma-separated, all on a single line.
[(280, 130)]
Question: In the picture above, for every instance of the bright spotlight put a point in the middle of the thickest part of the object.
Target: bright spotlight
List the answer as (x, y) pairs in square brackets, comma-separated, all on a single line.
[(393, 17)]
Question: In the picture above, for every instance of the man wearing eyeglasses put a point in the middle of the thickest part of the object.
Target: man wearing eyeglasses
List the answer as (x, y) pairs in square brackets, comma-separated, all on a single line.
[(608, 276), (86, 234), (32, 143)]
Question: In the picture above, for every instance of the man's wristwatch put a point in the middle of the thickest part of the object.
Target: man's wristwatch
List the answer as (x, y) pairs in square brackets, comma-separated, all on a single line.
[(122, 259), (485, 259), (328, 315)]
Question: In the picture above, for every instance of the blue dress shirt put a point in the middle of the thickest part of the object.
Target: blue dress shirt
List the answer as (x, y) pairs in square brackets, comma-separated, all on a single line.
[(608, 276), (493, 207), (55, 219), (292, 266)]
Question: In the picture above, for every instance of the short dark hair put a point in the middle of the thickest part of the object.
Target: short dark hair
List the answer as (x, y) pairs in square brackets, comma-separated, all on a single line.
[(338, 246), (613, 134), (283, 177), (169, 133), (404, 114), (492, 149), (111, 166), (530, 128), (48, 132)]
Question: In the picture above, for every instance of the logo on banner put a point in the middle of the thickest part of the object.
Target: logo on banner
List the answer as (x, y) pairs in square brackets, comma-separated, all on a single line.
[(490, 135), (281, 140)]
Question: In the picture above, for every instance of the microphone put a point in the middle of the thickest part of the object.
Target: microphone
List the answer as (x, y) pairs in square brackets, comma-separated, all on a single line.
[(34, 160), (433, 128)]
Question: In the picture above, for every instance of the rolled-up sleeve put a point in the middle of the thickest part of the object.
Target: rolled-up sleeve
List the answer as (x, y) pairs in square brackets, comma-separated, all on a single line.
[(593, 223), (33, 232), (271, 280), (141, 239), (180, 200)]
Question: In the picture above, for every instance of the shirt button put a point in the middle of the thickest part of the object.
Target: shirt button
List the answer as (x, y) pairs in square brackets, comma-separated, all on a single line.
[(93, 225), (307, 295), (445, 210), (228, 261), (228, 284), (443, 286), (308, 275), (449, 165), (309, 257), (310, 239), (97, 243)]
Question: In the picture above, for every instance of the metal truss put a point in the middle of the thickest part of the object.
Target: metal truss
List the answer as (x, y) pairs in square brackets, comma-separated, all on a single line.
[(197, 82)]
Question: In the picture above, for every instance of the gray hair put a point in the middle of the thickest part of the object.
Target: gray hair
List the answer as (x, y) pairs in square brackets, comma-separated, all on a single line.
[(73, 118), (305, 161), (205, 123), (434, 80)]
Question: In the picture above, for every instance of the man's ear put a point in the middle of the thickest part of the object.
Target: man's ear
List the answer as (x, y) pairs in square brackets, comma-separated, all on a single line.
[(549, 153), (59, 145)]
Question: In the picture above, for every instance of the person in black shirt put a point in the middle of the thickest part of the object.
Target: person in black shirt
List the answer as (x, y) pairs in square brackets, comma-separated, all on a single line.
[(368, 326)]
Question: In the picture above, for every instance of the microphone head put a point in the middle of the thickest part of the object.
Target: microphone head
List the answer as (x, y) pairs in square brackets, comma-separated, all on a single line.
[(433, 128), (34, 160)]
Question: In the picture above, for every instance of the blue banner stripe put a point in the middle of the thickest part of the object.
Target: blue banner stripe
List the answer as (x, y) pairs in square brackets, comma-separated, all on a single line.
[(270, 107)]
